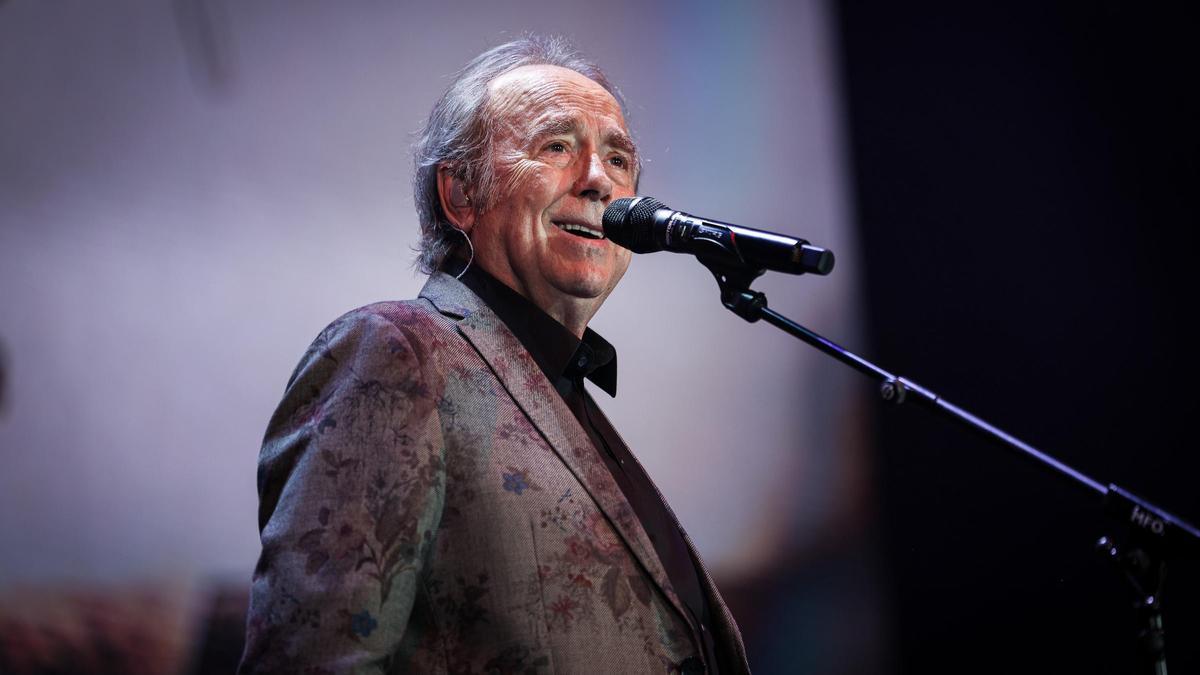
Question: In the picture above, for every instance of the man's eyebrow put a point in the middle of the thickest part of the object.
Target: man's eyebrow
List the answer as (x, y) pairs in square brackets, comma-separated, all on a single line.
[(554, 125), (562, 125), (621, 141)]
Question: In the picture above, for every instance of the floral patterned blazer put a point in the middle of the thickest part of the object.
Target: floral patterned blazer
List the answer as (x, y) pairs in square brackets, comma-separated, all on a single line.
[(428, 503)]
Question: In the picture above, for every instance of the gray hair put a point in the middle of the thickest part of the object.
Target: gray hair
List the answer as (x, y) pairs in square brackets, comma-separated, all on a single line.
[(458, 134)]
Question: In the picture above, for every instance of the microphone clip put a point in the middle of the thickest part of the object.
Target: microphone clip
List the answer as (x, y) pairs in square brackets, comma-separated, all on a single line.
[(734, 282)]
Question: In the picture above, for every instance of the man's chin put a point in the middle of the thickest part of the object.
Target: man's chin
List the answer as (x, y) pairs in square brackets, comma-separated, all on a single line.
[(585, 291), (585, 284)]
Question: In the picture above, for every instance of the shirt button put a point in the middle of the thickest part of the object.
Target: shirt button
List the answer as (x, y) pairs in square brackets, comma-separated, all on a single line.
[(582, 362)]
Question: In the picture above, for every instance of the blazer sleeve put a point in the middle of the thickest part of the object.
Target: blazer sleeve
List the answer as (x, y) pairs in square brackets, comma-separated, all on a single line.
[(351, 483)]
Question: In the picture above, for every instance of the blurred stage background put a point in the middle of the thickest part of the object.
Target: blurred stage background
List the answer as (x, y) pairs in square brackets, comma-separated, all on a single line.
[(191, 190)]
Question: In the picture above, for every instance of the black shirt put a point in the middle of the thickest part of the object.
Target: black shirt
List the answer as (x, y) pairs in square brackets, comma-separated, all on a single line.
[(567, 361)]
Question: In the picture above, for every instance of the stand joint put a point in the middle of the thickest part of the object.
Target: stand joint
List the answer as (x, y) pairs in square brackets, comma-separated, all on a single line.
[(1145, 574), (893, 390), (736, 294)]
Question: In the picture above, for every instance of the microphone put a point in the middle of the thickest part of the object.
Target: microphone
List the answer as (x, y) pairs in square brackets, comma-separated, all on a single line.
[(646, 225)]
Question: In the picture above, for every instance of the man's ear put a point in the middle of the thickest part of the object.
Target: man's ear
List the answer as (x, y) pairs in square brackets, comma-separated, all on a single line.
[(456, 203)]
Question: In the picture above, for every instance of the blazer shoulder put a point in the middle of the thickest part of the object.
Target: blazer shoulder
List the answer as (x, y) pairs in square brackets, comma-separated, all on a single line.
[(418, 315), (418, 320), (415, 322)]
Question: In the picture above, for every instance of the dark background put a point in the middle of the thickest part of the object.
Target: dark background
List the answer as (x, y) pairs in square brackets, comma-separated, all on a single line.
[(1026, 181)]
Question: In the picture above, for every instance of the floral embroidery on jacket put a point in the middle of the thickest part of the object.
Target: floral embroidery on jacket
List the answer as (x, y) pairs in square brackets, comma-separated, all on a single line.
[(517, 481), (362, 624)]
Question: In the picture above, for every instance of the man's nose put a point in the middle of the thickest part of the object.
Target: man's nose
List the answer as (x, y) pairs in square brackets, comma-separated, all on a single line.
[(593, 183)]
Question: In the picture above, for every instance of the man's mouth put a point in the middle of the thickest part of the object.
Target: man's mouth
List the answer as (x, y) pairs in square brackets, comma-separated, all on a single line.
[(585, 231)]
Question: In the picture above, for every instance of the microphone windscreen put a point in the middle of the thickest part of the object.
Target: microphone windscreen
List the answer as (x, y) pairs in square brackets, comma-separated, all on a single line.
[(629, 222)]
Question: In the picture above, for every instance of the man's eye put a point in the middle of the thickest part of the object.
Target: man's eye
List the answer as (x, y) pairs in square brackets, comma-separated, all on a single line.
[(557, 147), (619, 161)]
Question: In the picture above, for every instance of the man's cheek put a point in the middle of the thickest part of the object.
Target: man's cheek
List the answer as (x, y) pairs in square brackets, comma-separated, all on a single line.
[(624, 257), (613, 256), (519, 175)]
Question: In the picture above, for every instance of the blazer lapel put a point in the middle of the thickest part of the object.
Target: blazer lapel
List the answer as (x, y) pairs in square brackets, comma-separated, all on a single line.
[(537, 398)]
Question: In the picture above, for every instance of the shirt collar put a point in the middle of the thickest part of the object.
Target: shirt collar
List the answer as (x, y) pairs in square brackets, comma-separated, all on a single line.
[(555, 349)]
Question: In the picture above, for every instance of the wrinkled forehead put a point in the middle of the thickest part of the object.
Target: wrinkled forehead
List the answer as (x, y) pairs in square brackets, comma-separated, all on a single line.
[(523, 98)]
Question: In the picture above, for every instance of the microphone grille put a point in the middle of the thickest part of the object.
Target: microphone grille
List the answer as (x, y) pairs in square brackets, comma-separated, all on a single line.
[(628, 222)]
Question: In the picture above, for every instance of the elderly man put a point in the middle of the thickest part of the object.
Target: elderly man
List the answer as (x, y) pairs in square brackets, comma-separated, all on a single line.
[(439, 492)]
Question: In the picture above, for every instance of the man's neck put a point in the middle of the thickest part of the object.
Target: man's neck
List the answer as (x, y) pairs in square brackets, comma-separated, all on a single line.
[(572, 312)]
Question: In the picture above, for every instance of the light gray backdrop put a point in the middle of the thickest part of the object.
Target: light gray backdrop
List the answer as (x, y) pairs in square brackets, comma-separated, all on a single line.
[(190, 191)]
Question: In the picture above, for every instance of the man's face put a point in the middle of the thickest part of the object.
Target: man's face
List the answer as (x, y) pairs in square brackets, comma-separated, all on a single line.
[(561, 154)]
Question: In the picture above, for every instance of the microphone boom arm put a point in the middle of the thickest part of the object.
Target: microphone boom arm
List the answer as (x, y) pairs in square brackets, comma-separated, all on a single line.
[(1151, 534)]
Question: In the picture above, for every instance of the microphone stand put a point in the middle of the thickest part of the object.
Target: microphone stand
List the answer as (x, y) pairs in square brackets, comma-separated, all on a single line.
[(1145, 536)]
